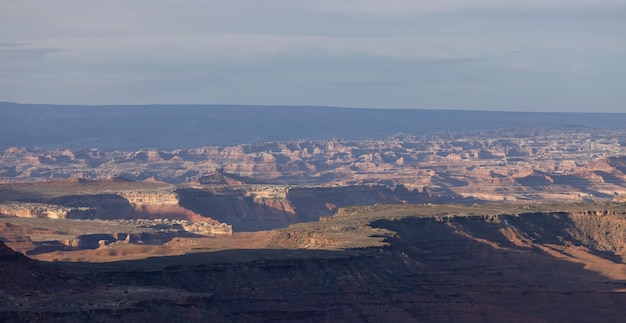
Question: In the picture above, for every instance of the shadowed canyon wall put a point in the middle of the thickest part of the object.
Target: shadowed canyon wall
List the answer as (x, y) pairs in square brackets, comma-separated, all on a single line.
[(278, 206), (246, 208)]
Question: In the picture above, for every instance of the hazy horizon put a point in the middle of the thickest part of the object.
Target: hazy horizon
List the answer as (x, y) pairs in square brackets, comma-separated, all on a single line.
[(533, 56), (288, 106), (190, 126)]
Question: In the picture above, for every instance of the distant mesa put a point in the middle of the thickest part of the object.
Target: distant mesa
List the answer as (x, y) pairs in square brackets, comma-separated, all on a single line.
[(535, 179), (117, 179), (71, 181), (218, 176), (80, 180)]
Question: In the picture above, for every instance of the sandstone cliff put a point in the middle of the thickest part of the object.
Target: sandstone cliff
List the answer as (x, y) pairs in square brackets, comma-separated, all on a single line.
[(42, 210), (261, 207)]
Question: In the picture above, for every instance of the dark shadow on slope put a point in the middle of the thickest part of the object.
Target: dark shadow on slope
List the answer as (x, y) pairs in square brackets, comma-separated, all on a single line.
[(551, 228), (526, 284), (609, 178), (571, 180), (579, 183), (429, 273), (104, 206), (8, 194), (533, 180), (540, 181), (557, 228), (618, 162), (312, 202), (235, 208), (301, 204), (447, 179)]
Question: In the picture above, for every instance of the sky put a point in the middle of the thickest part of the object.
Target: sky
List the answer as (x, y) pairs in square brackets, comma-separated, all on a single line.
[(514, 55)]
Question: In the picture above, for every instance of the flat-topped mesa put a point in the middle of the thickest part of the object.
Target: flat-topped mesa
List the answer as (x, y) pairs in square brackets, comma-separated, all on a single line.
[(161, 204), (219, 177), (141, 204), (156, 197), (42, 210)]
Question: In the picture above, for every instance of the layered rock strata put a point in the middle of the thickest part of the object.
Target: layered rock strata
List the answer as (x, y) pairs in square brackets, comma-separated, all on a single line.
[(42, 210)]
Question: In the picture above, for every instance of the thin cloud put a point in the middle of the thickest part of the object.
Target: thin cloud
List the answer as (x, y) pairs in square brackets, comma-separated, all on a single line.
[(404, 7), (522, 66), (17, 53), (339, 52), (12, 45)]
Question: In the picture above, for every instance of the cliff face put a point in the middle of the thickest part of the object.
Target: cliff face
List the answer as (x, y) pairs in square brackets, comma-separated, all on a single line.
[(42, 210), (601, 233), (161, 205), (311, 203), (246, 208), (267, 207), (603, 230), (103, 206), (109, 206)]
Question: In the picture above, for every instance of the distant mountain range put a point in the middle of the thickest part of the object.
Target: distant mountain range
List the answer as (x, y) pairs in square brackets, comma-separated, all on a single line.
[(167, 127)]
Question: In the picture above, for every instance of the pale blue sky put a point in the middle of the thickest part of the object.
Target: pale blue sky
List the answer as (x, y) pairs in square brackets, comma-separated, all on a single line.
[(515, 55)]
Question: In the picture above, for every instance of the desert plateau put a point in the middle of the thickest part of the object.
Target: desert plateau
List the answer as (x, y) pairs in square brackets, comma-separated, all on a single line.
[(323, 161), (317, 215)]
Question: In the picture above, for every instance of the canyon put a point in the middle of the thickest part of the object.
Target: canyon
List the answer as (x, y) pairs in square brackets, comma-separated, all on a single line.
[(136, 210), (282, 214)]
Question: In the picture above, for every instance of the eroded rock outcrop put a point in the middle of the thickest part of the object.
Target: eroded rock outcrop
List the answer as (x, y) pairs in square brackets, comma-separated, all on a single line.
[(42, 210)]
